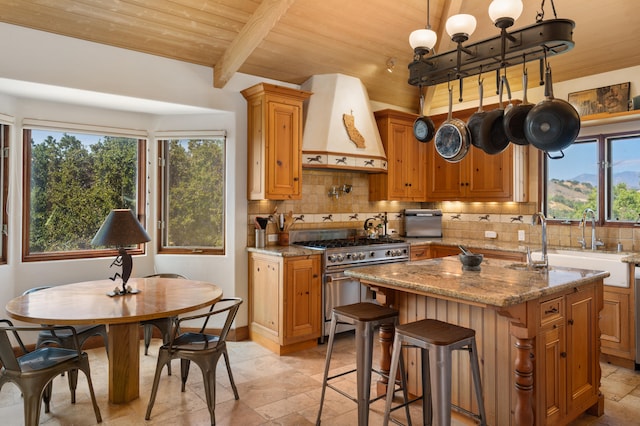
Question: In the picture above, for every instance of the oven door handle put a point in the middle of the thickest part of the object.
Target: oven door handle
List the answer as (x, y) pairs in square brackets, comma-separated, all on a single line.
[(331, 278)]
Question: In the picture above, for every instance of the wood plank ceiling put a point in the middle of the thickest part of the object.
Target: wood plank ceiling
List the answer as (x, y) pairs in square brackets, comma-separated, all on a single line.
[(290, 40)]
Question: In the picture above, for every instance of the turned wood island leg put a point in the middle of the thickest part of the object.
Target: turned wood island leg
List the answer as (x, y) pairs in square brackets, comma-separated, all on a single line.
[(385, 297), (124, 362), (385, 337), (523, 375)]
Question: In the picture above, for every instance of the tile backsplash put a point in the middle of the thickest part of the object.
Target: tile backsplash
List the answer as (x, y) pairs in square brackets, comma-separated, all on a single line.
[(325, 204)]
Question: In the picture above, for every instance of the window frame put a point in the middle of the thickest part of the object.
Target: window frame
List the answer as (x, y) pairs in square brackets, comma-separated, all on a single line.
[(162, 170), (5, 132), (26, 198), (604, 181)]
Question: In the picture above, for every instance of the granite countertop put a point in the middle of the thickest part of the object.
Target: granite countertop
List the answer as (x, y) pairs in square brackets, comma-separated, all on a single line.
[(517, 247), (632, 258), (495, 284), (285, 251), (513, 247)]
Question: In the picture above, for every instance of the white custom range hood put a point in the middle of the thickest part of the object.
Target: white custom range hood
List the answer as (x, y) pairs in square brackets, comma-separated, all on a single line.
[(340, 131)]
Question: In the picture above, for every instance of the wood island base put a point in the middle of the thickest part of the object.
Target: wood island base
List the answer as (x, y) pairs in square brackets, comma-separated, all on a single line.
[(539, 359)]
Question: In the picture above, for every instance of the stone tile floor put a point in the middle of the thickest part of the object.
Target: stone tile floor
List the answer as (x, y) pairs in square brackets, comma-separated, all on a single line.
[(273, 391)]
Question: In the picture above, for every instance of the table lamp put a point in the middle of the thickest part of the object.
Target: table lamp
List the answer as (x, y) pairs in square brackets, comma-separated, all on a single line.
[(121, 229)]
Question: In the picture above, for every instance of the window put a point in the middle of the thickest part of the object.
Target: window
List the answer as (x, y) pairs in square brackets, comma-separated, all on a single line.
[(601, 173), (4, 189), (71, 182), (192, 176)]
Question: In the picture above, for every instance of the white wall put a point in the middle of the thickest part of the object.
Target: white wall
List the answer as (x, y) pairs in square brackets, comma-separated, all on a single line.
[(43, 58)]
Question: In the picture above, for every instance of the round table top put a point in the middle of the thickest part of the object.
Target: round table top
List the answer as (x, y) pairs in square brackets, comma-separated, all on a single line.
[(88, 302)]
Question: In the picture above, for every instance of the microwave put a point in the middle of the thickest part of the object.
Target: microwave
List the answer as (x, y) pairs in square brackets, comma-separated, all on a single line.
[(424, 223)]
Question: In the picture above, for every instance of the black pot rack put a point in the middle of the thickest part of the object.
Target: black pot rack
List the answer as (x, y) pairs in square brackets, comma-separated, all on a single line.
[(535, 42)]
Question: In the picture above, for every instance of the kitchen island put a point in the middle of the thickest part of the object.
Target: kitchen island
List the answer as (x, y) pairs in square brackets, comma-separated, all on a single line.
[(537, 332)]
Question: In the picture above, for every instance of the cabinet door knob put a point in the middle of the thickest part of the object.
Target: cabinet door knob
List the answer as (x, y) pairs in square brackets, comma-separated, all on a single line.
[(563, 354), (570, 322)]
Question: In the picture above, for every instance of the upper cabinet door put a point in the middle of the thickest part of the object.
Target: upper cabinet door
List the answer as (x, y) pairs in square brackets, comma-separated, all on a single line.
[(274, 146), (284, 154), (406, 175)]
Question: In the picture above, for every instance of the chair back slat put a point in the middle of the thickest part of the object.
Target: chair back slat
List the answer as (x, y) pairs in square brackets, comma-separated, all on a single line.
[(233, 304), (7, 356)]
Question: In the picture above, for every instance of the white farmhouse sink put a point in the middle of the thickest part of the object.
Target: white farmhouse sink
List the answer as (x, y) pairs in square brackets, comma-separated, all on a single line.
[(594, 260)]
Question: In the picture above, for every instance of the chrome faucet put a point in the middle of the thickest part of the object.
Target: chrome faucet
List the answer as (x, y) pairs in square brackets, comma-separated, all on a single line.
[(595, 243), (545, 260)]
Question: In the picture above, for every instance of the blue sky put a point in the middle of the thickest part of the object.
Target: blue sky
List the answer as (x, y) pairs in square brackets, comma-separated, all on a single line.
[(87, 139), (582, 158)]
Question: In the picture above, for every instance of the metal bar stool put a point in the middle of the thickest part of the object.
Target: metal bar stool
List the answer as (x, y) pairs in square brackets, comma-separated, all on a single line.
[(436, 339), (366, 317)]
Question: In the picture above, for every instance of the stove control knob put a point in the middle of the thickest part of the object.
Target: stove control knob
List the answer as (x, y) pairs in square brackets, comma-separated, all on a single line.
[(362, 256), (331, 258), (339, 257)]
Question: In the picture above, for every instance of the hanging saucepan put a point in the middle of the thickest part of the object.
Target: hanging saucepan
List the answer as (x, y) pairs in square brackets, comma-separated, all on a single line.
[(493, 140), (475, 121), (423, 127), (553, 124), (452, 138), (513, 120)]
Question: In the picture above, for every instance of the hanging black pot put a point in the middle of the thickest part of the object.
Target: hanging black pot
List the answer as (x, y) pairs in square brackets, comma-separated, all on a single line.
[(474, 123), (514, 119), (423, 128), (553, 124), (492, 138)]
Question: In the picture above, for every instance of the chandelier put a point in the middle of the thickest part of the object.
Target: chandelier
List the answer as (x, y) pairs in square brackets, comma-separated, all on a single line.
[(534, 42)]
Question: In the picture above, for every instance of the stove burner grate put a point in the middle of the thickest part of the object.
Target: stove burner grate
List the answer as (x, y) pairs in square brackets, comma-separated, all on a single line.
[(348, 242)]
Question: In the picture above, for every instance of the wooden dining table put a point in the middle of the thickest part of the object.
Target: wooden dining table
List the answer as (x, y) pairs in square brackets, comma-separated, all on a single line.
[(88, 303)]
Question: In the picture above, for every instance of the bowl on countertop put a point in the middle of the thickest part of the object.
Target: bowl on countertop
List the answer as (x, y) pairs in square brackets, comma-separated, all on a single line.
[(471, 261)]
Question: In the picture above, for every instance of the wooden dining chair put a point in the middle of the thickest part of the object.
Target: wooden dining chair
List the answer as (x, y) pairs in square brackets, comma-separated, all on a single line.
[(64, 338), (33, 372), (202, 348)]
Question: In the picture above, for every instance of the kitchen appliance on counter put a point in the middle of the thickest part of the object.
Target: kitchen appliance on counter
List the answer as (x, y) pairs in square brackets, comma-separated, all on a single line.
[(423, 223), (344, 249)]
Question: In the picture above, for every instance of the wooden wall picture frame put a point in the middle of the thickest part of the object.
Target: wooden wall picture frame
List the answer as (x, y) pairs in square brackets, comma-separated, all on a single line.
[(607, 99)]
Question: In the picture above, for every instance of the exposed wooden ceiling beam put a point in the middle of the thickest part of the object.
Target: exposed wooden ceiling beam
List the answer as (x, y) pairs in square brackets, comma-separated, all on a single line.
[(254, 31)]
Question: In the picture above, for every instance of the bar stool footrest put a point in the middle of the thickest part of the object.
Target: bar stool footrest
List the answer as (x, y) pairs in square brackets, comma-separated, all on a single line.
[(466, 412)]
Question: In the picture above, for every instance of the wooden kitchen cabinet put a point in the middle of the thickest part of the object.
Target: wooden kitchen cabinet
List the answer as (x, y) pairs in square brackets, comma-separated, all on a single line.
[(274, 152), (430, 251), (567, 355), (284, 301), (617, 324), (419, 252), (477, 177), (406, 177)]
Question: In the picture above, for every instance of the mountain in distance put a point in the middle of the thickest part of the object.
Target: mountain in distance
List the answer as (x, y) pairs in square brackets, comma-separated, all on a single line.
[(632, 179)]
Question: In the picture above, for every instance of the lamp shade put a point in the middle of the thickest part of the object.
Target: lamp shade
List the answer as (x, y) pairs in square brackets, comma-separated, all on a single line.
[(505, 9), (424, 38), (461, 24), (121, 228)]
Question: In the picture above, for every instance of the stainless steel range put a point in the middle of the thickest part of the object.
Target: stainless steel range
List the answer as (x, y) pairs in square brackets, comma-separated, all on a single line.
[(344, 249)]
